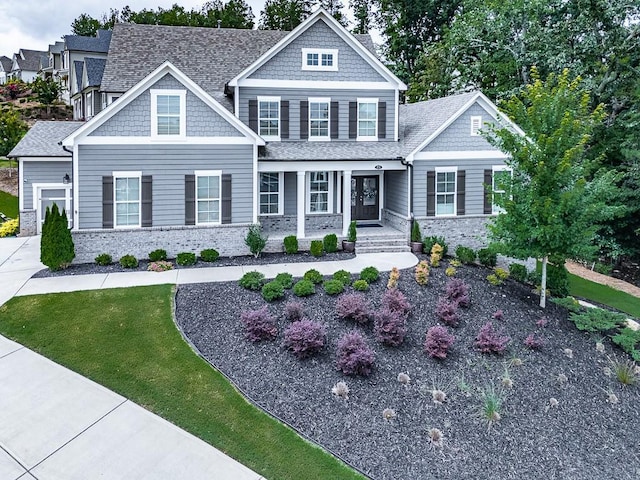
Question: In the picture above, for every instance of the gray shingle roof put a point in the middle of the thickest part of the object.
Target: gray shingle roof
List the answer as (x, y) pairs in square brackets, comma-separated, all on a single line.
[(29, 60), (79, 68), (99, 43), (6, 63), (95, 70), (42, 140)]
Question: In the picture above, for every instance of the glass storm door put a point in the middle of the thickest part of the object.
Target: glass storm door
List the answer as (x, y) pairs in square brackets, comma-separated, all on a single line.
[(365, 197)]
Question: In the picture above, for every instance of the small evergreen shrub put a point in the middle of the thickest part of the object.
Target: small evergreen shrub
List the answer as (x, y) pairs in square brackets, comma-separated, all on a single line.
[(158, 255), (293, 311), (255, 240), (629, 340), (487, 257), (333, 287), (422, 273), (209, 255), (104, 259), (558, 280), (416, 234), (498, 276), (56, 244), (352, 232), (394, 300), (429, 242), (437, 342), (361, 285), (390, 327), (436, 255), (313, 276), (343, 276), (533, 342), (394, 276), (317, 249), (160, 266), (354, 306), (354, 356), (259, 325), (304, 338), (272, 290), (447, 312), (304, 288), (291, 244), (489, 340), (369, 274), (457, 291), (518, 272), (330, 243), (285, 279), (597, 320), (128, 261), (569, 303), (186, 258), (252, 280), (465, 254)]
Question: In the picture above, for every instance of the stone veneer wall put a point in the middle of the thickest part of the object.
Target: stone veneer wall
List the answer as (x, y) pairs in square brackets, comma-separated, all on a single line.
[(397, 221), (470, 230), (28, 223), (287, 224)]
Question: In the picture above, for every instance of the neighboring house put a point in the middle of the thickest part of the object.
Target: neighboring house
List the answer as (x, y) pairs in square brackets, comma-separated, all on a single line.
[(53, 68), (301, 131), (5, 69), (26, 64)]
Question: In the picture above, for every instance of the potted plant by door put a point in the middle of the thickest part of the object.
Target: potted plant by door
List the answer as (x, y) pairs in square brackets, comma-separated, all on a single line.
[(349, 245), (416, 238)]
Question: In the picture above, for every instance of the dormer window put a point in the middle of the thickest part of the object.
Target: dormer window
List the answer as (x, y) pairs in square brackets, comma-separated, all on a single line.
[(320, 59), (168, 114), (476, 125)]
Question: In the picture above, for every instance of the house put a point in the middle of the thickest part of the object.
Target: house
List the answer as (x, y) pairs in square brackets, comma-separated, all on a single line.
[(26, 64), (54, 67), (5, 69), (301, 131)]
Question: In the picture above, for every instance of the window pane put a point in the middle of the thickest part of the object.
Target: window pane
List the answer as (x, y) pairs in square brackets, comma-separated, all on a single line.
[(367, 111), (327, 59), (312, 59), (208, 188), (319, 202), (208, 211), (444, 205)]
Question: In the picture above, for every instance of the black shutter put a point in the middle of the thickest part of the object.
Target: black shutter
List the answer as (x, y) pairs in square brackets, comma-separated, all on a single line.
[(189, 199), (225, 204), (431, 194), (488, 192), (353, 119), (253, 115), (304, 120), (460, 188), (335, 110), (382, 119), (107, 202), (147, 199), (284, 119)]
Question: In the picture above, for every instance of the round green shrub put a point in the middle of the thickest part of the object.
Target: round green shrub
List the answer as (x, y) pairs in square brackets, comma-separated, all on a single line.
[(209, 255), (369, 274), (128, 261), (252, 280), (487, 257), (317, 249), (313, 276), (186, 258), (272, 291), (518, 272), (330, 243), (343, 276), (361, 285), (465, 254), (291, 244), (158, 255), (304, 288), (104, 259), (285, 279), (333, 287), (557, 280)]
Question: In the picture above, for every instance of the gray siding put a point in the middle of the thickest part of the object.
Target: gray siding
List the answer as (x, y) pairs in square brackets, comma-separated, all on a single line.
[(458, 135), (474, 188), (41, 172), (287, 65), (168, 164), (135, 118), (395, 191), (290, 193), (342, 96)]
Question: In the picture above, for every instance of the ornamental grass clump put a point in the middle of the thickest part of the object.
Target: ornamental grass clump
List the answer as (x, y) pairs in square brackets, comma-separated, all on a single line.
[(422, 272), (354, 306), (259, 325), (341, 389), (437, 342), (457, 291), (447, 312), (404, 378), (625, 371), (304, 338), (490, 340), (390, 327), (354, 356), (394, 276), (394, 300), (293, 311)]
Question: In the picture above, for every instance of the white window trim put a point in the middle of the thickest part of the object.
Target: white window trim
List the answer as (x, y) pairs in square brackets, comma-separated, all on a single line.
[(319, 52), (89, 104), (280, 195), (121, 174), (476, 120), (330, 194), (209, 173), (326, 100), (455, 191), (495, 210), (154, 114), (270, 138), (364, 138)]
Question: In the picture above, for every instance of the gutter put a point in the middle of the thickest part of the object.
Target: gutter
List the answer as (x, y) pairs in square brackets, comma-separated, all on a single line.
[(409, 165)]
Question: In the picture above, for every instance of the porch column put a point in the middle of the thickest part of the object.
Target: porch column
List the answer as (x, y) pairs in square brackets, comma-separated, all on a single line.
[(301, 204), (346, 201)]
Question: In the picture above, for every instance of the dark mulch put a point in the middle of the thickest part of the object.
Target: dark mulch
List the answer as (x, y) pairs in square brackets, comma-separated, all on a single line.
[(629, 271), (263, 259), (583, 437)]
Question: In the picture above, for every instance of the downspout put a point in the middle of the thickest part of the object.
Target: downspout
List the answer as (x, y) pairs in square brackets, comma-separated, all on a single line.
[(409, 166), (73, 216)]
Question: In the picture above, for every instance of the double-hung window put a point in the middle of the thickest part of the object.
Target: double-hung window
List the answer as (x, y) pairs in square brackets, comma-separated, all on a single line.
[(271, 199), (319, 118), (501, 176), (208, 190), (127, 198), (446, 191), (168, 114), (367, 119), (269, 117), (319, 192), (320, 59)]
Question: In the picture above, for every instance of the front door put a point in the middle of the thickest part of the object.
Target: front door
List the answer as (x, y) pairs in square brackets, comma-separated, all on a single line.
[(365, 195), (46, 197)]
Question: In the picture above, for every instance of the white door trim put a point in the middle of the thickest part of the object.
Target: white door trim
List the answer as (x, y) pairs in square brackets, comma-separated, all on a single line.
[(37, 200)]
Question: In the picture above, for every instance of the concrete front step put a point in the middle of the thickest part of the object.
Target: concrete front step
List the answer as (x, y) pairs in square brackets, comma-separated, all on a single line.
[(382, 248)]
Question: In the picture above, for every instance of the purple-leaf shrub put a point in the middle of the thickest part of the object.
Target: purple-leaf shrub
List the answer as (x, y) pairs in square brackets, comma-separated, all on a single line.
[(498, 315), (293, 311), (438, 341), (304, 337), (259, 324), (458, 291), (354, 306), (354, 356), (447, 312), (542, 322), (489, 340), (390, 327), (534, 342), (393, 299)]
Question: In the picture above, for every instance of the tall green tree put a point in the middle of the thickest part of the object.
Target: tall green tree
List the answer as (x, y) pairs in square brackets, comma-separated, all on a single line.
[(56, 245), (85, 25), (551, 208), (362, 15), (232, 14), (47, 91), (284, 14), (335, 7), (12, 129)]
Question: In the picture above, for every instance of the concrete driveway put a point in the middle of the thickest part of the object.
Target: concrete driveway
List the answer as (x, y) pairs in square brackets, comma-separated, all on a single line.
[(19, 259)]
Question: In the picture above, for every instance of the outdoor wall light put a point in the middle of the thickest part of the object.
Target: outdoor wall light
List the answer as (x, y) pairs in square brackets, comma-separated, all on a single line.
[(66, 179)]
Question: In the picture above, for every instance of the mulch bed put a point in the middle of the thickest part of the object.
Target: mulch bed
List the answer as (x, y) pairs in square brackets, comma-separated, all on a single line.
[(584, 437)]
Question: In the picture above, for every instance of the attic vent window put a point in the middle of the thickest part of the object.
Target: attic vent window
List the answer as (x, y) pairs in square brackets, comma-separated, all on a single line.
[(476, 125), (320, 59)]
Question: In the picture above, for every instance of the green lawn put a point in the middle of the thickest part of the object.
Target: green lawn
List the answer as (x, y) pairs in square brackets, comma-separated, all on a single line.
[(8, 204), (125, 339), (579, 287)]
